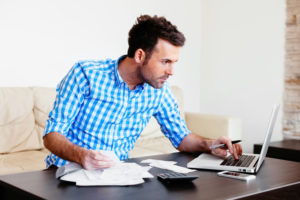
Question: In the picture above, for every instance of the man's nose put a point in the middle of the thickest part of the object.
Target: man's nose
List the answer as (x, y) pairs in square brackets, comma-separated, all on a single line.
[(170, 70)]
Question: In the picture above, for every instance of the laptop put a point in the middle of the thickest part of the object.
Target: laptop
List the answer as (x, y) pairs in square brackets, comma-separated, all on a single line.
[(249, 163)]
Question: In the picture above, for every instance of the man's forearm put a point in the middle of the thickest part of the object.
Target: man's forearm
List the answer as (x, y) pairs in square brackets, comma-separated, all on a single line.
[(195, 143), (62, 147)]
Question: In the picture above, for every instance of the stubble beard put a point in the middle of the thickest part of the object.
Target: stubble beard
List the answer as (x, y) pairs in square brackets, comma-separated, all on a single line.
[(150, 80)]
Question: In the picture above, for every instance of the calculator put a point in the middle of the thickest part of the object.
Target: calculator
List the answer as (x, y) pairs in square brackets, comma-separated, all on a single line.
[(175, 177)]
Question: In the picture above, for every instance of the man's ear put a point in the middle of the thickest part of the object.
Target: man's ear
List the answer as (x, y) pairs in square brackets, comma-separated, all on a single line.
[(139, 56)]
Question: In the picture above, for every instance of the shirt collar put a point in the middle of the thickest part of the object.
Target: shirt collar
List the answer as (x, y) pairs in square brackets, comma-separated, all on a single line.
[(118, 77)]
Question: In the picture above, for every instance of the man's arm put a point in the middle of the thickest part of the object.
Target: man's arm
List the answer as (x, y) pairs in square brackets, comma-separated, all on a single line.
[(70, 96), (63, 148), (195, 143), (174, 127)]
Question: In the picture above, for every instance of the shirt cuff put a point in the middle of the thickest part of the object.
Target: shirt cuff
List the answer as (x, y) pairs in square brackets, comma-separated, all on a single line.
[(176, 141), (52, 126)]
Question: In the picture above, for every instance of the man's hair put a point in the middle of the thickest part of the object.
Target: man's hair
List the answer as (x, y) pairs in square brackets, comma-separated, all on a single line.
[(146, 32)]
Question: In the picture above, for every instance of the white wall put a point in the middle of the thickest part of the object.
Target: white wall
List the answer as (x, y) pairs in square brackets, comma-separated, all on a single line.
[(40, 39), (241, 71), (232, 62)]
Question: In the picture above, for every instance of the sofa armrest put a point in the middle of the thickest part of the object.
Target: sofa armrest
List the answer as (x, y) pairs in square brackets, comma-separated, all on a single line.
[(213, 126)]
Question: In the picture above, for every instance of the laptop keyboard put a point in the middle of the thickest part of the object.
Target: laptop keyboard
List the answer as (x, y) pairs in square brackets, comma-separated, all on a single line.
[(244, 161)]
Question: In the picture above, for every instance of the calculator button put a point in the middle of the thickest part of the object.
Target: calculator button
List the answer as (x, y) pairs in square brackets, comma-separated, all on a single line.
[(170, 177)]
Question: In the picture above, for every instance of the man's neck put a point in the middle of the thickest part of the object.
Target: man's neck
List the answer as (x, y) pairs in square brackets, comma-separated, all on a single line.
[(129, 71)]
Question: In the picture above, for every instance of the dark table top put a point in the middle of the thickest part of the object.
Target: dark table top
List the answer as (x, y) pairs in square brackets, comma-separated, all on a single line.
[(285, 144), (273, 174), (284, 149)]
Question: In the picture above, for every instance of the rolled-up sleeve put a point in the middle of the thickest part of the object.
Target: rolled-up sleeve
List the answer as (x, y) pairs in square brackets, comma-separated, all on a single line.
[(168, 116), (70, 96)]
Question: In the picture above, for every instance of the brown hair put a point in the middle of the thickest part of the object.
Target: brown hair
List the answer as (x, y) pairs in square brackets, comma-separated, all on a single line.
[(147, 30)]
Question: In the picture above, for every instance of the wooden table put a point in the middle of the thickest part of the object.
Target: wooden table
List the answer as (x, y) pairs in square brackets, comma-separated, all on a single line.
[(278, 179), (284, 149)]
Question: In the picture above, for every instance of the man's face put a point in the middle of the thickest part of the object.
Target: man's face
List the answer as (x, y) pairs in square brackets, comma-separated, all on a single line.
[(160, 65)]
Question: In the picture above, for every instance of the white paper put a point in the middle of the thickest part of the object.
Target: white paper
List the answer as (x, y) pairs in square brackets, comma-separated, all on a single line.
[(68, 168), (72, 167), (111, 155), (85, 182), (93, 174), (169, 165), (120, 174), (158, 161), (75, 176)]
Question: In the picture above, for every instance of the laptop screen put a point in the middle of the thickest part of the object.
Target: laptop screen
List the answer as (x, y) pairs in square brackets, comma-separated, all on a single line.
[(268, 136)]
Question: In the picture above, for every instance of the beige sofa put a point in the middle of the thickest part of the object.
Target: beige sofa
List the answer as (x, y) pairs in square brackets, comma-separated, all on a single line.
[(23, 112)]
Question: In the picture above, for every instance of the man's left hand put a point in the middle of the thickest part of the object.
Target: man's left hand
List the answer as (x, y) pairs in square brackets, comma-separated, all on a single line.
[(234, 149)]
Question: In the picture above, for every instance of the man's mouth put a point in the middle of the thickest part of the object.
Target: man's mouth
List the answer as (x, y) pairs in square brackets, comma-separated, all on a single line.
[(164, 78)]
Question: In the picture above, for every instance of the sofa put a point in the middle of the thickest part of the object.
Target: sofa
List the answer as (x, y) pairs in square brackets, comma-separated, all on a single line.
[(24, 111)]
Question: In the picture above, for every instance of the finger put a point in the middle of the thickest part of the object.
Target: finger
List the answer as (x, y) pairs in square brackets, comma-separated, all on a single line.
[(91, 166), (225, 140), (101, 157), (235, 155), (220, 152), (101, 164), (228, 143), (240, 150)]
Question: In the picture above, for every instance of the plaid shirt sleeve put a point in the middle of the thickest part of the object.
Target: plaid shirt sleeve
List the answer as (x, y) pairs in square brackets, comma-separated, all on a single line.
[(70, 95), (168, 116)]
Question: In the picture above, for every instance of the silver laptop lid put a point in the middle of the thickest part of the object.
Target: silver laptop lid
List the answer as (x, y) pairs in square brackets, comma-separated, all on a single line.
[(268, 136)]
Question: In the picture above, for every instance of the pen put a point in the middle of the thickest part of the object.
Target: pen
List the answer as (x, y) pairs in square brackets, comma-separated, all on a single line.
[(223, 145)]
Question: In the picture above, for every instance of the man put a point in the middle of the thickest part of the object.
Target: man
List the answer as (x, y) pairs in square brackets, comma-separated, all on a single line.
[(104, 105)]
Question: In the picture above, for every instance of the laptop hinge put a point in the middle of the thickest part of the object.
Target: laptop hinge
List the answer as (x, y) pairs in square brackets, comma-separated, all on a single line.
[(254, 166)]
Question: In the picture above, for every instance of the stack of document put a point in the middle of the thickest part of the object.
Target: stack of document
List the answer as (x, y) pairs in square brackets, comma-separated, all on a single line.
[(120, 175)]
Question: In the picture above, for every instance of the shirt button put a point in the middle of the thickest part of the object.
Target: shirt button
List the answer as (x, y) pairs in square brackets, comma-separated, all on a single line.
[(119, 142)]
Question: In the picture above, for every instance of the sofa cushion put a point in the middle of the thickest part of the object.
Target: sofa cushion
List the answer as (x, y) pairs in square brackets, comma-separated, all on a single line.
[(43, 103), (17, 123), (152, 146), (23, 161)]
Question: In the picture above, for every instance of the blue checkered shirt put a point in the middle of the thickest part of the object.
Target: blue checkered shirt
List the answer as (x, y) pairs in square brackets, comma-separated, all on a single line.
[(95, 109)]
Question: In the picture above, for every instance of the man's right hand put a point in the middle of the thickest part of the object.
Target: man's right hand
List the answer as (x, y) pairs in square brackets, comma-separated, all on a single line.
[(91, 159), (59, 145)]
